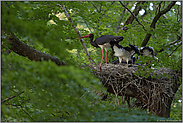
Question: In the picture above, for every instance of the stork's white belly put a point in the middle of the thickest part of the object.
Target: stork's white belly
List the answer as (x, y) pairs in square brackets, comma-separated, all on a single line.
[(106, 46), (147, 53), (122, 54)]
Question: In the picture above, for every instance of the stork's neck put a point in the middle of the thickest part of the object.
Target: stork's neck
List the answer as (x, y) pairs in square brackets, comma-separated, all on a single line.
[(91, 39), (93, 43)]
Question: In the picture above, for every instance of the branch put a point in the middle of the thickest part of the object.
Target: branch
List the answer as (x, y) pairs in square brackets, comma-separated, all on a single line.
[(174, 49), (148, 35), (133, 15), (12, 97), (24, 50), (95, 7), (159, 6), (171, 43), (120, 20), (108, 8), (78, 33)]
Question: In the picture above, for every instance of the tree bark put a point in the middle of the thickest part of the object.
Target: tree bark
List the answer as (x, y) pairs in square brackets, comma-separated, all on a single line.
[(24, 50)]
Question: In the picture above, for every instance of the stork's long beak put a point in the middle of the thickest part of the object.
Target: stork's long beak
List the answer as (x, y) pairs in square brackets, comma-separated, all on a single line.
[(84, 36)]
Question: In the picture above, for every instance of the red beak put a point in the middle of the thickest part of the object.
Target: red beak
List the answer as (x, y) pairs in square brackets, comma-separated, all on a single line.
[(84, 36)]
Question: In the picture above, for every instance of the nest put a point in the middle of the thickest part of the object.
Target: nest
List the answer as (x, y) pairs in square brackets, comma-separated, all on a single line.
[(123, 80)]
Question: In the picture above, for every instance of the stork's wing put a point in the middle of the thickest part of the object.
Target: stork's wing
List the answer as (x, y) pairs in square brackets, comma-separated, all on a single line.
[(107, 38), (133, 47)]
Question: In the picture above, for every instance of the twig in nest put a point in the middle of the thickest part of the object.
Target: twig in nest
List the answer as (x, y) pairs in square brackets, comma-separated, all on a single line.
[(115, 93)]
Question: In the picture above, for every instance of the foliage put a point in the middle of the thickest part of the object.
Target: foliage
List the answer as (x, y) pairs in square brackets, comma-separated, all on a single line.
[(54, 93), (176, 113), (66, 93)]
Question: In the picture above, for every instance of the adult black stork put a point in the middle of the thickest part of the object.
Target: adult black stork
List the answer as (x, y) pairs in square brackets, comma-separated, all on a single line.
[(124, 53), (103, 42), (147, 51)]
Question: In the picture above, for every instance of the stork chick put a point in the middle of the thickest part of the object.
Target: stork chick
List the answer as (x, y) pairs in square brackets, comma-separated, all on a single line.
[(147, 51), (124, 53)]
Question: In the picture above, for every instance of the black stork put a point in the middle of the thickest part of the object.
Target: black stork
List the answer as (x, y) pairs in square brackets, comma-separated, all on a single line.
[(147, 51), (103, 42), (124, 53)]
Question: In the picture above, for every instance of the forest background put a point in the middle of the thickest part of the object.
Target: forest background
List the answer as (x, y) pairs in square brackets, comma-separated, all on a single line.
[(45, 71)]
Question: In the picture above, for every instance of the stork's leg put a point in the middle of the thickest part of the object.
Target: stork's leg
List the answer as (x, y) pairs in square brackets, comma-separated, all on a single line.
[(127, 61), (105, 55), (120, 59), (102, 57), (132, 62)]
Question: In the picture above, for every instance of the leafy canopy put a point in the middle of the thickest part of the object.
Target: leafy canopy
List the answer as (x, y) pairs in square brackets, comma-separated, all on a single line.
[(69, 93)]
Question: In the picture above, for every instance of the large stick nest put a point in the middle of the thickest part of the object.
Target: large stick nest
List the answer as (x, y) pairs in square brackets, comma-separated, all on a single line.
[(123, 80)]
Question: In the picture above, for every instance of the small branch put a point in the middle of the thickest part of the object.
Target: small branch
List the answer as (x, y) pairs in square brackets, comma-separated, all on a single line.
[(79, 35), (120, 20), (159, 6), (133, 15), (12, 97), (95, 7), (108, 8), (171, 43), (178, 38), (87, 24), (27, 113), (174, 49)]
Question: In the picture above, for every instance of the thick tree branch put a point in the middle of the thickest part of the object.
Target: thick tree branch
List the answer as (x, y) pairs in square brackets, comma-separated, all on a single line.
[(78, 33), (24, 50), (133, 15), (148, 35)]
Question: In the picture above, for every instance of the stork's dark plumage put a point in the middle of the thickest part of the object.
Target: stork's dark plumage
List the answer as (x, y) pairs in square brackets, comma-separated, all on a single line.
[(124, 53), (147, 51), (103, 42)]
